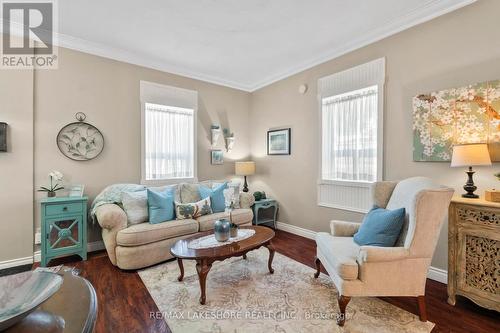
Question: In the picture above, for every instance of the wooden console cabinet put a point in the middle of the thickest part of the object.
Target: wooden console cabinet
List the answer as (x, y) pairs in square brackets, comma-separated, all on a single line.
[(474, 251)]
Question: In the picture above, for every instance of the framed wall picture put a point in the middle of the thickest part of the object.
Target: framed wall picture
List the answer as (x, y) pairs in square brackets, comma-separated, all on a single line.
[(217, 157), (279, 142)]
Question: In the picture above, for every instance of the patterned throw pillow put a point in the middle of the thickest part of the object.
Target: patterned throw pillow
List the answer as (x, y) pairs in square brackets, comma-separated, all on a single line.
[(192, 210), (235, 187), (135, 205)]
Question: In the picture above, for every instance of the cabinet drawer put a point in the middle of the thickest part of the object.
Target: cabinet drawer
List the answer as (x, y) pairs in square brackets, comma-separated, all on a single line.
[(51, 210), (475, 215)]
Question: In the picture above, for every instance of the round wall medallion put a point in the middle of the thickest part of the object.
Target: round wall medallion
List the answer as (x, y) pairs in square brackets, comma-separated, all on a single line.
[(80, 141)]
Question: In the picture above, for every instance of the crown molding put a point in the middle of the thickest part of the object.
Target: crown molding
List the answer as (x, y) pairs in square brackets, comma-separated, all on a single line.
[(427, 12), (113, 53)]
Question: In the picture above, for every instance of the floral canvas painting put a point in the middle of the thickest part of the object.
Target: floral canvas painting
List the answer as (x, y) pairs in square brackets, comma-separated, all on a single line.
[(462, 115)]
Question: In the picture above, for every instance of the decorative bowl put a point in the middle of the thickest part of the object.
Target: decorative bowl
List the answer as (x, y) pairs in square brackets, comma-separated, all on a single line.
[(21, 294)]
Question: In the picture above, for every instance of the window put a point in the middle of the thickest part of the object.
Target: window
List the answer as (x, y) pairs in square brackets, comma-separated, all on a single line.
[(349, 145), (168, 134), (351, 116)]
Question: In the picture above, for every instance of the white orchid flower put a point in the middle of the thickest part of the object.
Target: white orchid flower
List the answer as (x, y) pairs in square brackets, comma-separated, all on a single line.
[(56, 175)]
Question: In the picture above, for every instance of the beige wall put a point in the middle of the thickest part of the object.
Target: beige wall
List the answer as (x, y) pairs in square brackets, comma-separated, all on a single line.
[(454, 50), (107, 91), (16, 165)]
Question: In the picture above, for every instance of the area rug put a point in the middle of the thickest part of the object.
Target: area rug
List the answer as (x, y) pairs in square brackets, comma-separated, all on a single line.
[(243, 297)]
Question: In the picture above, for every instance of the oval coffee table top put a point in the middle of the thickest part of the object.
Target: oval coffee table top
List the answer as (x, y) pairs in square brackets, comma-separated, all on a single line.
[(262, 235)]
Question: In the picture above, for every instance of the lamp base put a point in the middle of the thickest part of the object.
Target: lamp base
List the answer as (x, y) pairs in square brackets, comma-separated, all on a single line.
[(470, 196), (469, 187), (245, 185)]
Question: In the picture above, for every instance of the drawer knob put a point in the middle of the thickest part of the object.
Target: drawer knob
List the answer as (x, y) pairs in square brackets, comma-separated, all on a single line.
[(65, 208)]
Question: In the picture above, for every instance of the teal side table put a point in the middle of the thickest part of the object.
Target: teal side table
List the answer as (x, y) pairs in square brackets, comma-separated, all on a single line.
[(265, 204), (64, 227)]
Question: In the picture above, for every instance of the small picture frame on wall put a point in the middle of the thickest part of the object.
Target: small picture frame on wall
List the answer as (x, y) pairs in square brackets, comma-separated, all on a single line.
[(76, 191), (217, 157), (279, 141)]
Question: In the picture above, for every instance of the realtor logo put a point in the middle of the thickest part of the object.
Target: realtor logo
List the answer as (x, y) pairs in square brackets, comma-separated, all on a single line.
[(28, 34)]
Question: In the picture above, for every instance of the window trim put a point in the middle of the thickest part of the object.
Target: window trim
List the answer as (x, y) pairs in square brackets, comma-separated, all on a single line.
[(375, 77), (156, 93)]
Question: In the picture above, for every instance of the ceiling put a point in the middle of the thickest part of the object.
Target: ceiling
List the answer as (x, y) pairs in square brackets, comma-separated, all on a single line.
[(241, 44)]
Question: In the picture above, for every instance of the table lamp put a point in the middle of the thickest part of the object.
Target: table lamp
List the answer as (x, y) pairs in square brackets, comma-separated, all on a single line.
[(470, 155), (245, 169)]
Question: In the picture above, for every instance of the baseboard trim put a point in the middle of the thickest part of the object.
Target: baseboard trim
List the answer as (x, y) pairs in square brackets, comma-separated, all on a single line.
[(16, 262), (296, 230), (37, 256), (436, 274)]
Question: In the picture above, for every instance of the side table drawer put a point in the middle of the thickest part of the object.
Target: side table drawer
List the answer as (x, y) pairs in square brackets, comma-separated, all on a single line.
[(69, 208)]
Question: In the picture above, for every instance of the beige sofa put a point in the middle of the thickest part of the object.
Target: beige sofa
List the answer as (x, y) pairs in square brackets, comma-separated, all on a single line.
[(144, 244)]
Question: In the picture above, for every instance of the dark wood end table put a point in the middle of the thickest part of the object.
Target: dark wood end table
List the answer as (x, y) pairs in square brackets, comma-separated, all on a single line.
[(206, 257)]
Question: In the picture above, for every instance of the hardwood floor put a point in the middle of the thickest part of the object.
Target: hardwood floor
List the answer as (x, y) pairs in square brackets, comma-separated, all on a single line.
[(125, 304)]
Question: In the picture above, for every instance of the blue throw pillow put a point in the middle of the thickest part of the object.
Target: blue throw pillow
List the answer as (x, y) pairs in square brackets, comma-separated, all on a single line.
[(380, 227), (216, 197), (161, 206)]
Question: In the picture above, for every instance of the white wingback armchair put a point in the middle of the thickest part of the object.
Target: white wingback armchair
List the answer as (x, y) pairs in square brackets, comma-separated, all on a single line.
[(387, 271)]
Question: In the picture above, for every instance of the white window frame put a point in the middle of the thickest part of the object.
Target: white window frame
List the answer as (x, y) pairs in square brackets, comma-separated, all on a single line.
[(350, 80), (156, 93)]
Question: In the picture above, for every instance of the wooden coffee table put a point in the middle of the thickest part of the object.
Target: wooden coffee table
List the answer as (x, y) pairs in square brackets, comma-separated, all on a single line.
[(205, 257)]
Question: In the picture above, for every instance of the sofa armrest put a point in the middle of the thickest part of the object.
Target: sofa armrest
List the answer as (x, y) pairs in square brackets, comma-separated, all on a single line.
[(246, 200), (343, 228), (380, 254), (111, 216)]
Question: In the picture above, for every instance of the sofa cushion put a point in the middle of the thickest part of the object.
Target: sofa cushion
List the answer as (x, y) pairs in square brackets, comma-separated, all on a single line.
[(145, 233), (241, 216), (189, 193), (238, 216), (341, 254)]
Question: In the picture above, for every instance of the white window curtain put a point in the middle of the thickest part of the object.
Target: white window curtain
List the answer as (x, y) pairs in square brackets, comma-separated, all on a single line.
[(168, 140), (349, 140), (169, 143), (351, 105)]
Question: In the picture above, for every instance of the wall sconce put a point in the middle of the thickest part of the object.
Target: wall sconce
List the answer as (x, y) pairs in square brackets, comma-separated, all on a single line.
[(216, 131), (229, 138), (3, 137)]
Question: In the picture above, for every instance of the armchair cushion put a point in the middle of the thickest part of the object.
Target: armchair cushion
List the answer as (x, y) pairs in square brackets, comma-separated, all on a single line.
[(341, 254), (380, 227), (380, 254)]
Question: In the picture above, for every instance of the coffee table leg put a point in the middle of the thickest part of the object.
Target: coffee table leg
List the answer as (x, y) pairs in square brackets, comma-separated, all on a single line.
[(181, 268), (270, 247), (203, 267)]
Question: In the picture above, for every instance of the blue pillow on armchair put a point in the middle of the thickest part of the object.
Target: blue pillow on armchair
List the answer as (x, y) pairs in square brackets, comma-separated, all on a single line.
[(216, 196), (380, 227), (161, 206)]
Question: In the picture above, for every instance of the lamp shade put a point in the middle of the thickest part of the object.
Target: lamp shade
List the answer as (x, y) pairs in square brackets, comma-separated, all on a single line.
[(244, 168), (470, 155)]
